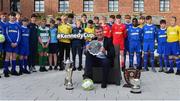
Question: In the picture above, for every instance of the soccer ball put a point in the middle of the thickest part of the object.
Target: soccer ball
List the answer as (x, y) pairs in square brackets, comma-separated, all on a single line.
[(2, 38), (87, 84)]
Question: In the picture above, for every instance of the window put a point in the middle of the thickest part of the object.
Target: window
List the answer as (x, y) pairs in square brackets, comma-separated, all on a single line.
[(164, 5), (138, 5), (39, 6), (14, 5), (113, 5), (88, 5), (63, 5)]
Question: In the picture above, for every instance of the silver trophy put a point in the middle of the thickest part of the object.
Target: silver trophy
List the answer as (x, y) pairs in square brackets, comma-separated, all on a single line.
[(136, 85), (94, 49), (69, 70)]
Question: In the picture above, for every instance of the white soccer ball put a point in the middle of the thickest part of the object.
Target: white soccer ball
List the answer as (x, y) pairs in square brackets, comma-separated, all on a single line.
[(2, 38), (87, 84)]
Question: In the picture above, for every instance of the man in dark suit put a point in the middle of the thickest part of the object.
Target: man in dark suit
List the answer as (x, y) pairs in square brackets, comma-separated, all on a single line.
[(106, 62)]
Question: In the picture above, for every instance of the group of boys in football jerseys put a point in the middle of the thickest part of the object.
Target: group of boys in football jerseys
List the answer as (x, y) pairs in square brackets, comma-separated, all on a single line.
[(28, 40)]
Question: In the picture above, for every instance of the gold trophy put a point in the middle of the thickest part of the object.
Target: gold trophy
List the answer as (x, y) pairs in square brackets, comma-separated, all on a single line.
[(69, 70)]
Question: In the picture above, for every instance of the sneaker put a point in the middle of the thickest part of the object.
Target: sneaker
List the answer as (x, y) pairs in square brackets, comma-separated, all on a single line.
[(41, 69), (34, 69), (50, 68), (161, 70), (80, 68), (45, 69), (165, 70), (153, 70), (146, 69), (74, 69), (170, 71), (15, 73), (6, 74), (21, 72), (178, 72), (25, 71), (55, 68), (103, 85)]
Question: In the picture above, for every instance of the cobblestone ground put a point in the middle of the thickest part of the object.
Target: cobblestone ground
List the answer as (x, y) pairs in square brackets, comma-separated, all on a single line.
[(50, 86)]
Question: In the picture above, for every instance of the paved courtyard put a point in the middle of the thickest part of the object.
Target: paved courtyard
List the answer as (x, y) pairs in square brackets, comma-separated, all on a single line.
[(50, 86)]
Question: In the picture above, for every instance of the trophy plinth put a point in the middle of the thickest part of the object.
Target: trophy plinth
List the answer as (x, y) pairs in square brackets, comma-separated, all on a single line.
[(68, 79), (136, 88)]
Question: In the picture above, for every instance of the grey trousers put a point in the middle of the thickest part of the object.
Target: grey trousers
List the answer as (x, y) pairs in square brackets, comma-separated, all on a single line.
[(117, 65)]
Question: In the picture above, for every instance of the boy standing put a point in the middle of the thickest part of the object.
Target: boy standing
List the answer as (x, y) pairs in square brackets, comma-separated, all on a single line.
[(149, 32), (162, 37), (24, 47), (33, 42), (173, 37), (135, 37), (77, 45), (44, 39), (12, 35)]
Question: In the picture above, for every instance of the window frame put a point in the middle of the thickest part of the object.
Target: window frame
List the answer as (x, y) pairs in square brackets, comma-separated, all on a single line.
[(137, 5), (64, 6), (113, 7), (89, 6), (164, 8), (39, 6)]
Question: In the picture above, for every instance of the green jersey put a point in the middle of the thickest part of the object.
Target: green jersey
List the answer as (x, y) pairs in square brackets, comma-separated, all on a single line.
[(44, 34)]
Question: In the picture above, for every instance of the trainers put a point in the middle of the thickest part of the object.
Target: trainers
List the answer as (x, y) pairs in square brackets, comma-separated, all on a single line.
[(55, 68), (80, 68), (146, 69), (34, 69), (74, 69), (45, 69), (15, 73), (153, 69), (6, 74), (161, 70), (170, 71), (41, 69), (50, 68), (165, 70), (21, 72), (25, 71), (178, 72)]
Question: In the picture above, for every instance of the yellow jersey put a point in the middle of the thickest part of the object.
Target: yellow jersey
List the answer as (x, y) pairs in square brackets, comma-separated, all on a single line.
[(64, 29), (141, 25), (173, 34), (89, 31)]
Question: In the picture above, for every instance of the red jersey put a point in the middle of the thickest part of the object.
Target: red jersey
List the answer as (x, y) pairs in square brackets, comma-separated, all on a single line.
[(118, 33), (106, 30)]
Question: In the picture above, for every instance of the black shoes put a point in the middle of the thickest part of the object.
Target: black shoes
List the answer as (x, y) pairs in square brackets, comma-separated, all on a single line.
[(43, 69), (170, 71), (103, 85), (74, 69), (55, 68), (15, 73), (178, 72), (50, 68), (6, 74), (80, 68), (25, 71)]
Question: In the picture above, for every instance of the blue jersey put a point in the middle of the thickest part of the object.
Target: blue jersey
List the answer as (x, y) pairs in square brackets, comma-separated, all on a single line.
[(12, 33), (149, 32), (162, 36), (134, 34), (128, 25), (24, 37), (53, 35)]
